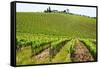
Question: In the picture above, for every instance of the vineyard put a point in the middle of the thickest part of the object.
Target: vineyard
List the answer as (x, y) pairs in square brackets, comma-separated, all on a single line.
[(54, 38)]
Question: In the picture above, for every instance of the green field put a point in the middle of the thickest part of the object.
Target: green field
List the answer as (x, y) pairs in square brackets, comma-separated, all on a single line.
[(54, 38)]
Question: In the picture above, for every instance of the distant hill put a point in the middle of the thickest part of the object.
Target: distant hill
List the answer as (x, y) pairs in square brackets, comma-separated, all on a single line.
[(56, 24)]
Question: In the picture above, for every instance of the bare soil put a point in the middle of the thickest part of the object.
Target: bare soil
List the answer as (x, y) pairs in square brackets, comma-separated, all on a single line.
[(81, 53), (43, 55)]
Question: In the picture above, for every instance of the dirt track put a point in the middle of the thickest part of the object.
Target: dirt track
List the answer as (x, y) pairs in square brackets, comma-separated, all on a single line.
[(43, 54), (81, 53)]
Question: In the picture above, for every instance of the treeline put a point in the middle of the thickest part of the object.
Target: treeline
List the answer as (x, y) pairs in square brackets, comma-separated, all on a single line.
[(67, 11), (48, 10), (81, 15)]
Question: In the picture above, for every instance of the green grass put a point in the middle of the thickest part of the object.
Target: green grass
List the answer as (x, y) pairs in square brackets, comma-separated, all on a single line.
[(38, 28), (65, 53), (56, 24), (23, 57)]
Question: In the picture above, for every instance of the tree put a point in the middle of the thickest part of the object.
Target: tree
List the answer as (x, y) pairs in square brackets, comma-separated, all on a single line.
[(64, 11), (67, 10), (46, 10), (49, 9)]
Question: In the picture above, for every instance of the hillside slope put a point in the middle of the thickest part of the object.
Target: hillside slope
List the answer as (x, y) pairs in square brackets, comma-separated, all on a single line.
[(56, 24)]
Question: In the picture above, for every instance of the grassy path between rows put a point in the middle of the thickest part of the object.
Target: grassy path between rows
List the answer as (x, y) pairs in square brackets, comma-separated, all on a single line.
[(72, 51)]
